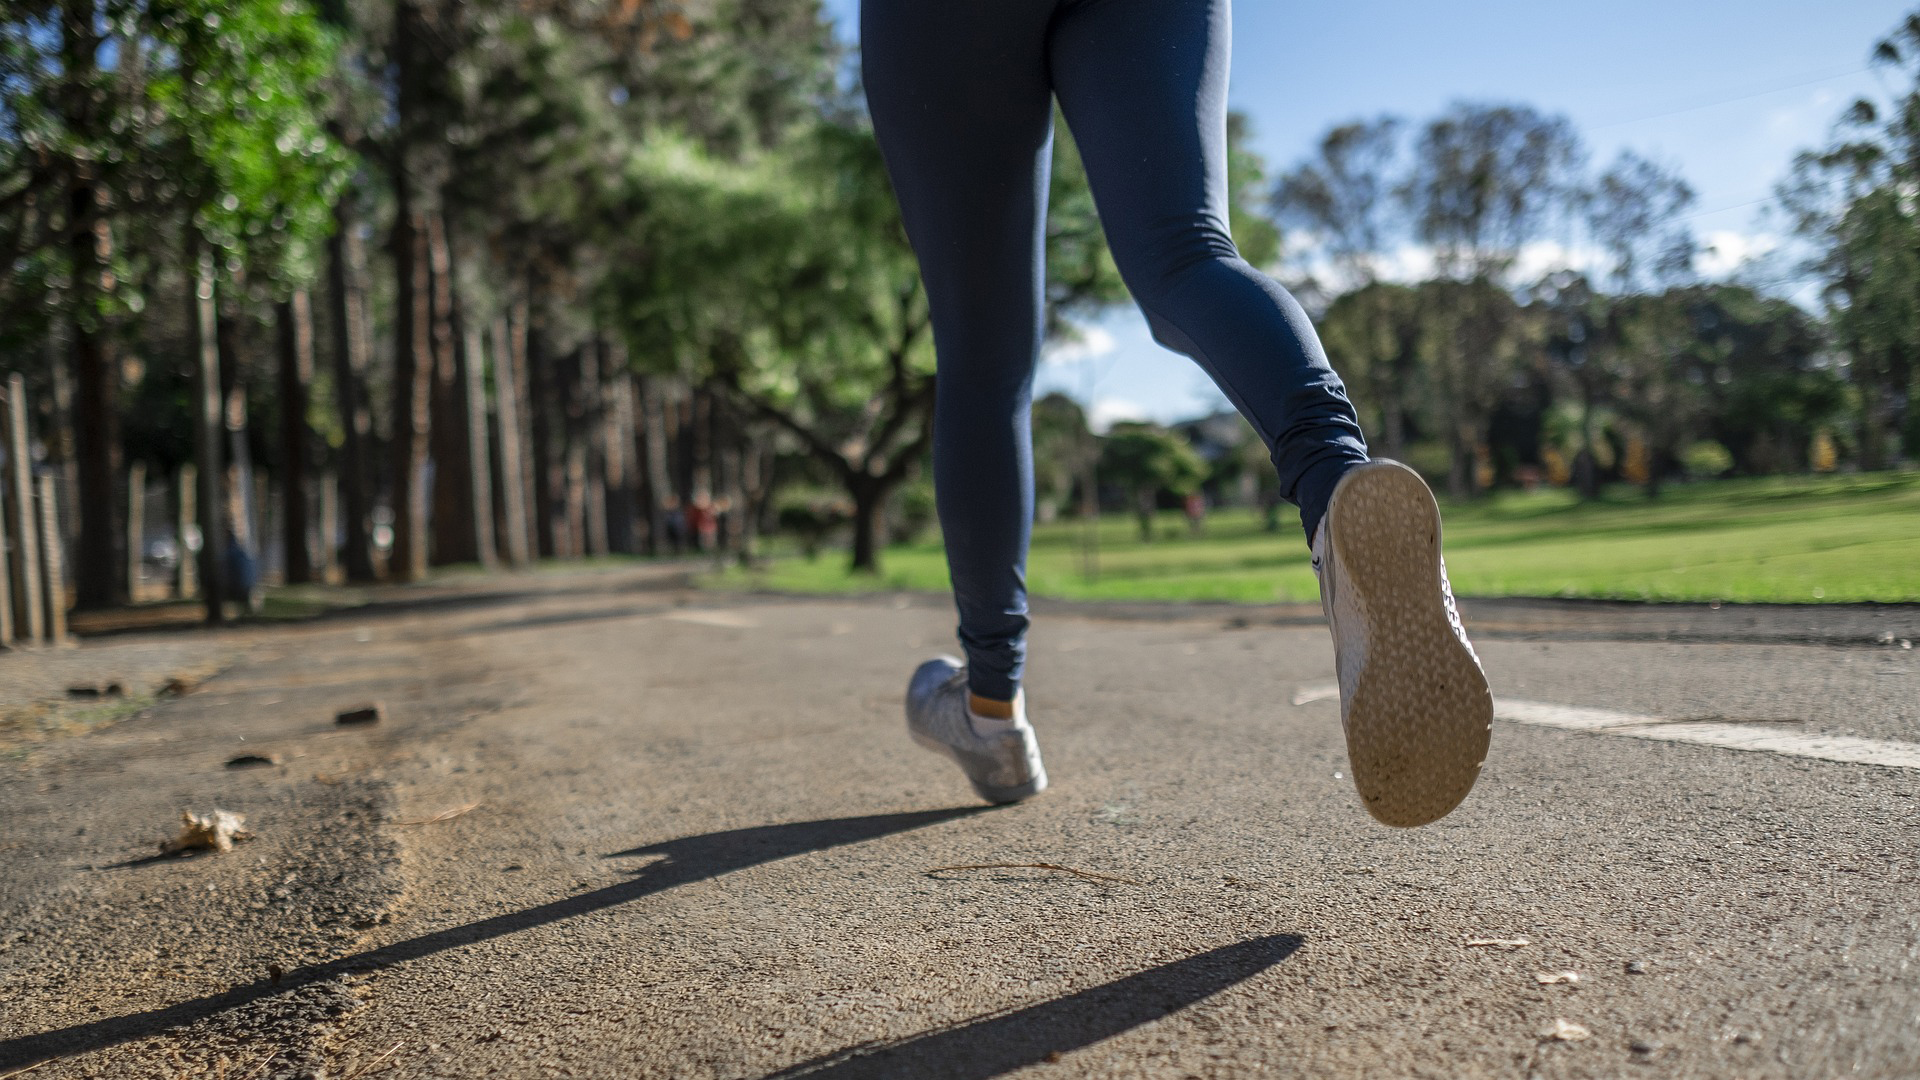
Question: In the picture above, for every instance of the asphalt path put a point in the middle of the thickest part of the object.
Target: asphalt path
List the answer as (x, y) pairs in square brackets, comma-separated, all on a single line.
[(614, 828)]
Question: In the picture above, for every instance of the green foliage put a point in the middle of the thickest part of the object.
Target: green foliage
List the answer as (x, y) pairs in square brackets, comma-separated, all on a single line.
[(1064, 450), (1254, 234), (243, 127), (1082, 279), (1146, 460), (1706, 459)]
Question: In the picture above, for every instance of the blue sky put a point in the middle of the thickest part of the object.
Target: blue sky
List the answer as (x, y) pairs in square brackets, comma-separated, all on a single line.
[(1725, 92)]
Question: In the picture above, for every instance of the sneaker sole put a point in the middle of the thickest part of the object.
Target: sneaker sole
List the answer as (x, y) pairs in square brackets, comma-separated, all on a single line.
[(1421, 717), (995, 795)]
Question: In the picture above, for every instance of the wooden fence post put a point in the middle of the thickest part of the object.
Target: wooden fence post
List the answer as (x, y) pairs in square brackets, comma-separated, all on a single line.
[(186, 582), (55, 576), (136, 526), (29, 619)]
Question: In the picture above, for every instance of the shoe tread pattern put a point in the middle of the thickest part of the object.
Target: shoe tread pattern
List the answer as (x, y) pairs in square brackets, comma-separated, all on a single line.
[(1421, 717)]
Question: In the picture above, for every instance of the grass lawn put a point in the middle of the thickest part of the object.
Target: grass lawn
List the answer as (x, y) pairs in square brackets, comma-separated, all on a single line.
[(1784, 539)]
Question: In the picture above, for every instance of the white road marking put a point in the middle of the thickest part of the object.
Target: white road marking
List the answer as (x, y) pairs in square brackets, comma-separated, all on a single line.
[(1847, 748), (725, 619), (1843, 748)]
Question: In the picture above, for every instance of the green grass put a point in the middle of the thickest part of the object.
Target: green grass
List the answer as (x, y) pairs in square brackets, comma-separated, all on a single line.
[(1822, 539)]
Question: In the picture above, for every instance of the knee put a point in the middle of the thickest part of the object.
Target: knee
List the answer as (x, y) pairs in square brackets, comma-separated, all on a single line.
[(1167, 258)]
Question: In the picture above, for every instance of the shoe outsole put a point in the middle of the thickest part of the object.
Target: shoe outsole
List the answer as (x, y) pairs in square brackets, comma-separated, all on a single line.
[(999, 796), (1421, 717)]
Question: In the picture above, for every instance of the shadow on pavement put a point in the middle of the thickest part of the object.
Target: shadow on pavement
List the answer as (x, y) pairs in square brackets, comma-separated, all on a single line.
[(687, 860), (999, 1043)]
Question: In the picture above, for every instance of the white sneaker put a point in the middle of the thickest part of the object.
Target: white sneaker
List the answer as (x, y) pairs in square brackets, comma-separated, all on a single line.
[(1413, 699), (1001, 758)]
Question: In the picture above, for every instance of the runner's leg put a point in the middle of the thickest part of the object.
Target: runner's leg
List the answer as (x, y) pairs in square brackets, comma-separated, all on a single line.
[(1143, 84), (960, 102)]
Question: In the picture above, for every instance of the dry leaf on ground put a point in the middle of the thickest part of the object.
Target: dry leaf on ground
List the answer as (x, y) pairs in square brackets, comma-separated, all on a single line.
[(217, 831)]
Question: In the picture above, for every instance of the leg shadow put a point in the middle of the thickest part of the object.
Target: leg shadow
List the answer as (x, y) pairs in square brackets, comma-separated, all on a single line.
[(999, 1043), (687, 860)]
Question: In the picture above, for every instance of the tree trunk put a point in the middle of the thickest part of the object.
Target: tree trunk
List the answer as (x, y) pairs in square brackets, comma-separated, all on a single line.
[(590, 431), (296, 373), (329, 569), (1873, 423), (617, 446), (1394, 415), (479, 455), (136, 533), (204, 318), (412, 389), (659, 479), (513, 486), (454, 529), (241, 507), (1460, 479), (547, 479), (869, 501), (353, 344), (95, 365), (58, 432), (96, 420)]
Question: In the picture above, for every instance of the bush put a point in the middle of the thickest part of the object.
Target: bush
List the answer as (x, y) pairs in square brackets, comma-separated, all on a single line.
[(1706, 459), (811, 521)]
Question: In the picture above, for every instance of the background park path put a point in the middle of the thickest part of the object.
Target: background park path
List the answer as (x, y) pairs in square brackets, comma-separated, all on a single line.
[(612, 827)]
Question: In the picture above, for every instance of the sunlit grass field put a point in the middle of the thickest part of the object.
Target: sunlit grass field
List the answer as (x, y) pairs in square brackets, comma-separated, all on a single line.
[(1821, 539)]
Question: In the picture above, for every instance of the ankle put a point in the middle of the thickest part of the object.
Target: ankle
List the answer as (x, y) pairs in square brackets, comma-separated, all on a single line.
[(989, 708)]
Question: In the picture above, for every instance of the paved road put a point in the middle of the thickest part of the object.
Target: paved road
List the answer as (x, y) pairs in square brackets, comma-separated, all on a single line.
[(700, 845)]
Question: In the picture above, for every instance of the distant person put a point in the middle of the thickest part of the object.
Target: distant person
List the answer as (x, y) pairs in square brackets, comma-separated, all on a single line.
[(962, 96), (1195, 507)]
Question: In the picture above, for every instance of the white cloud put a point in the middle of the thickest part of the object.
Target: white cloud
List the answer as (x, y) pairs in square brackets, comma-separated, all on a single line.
[(1727, 251), (1093, 342), (1107, 412)]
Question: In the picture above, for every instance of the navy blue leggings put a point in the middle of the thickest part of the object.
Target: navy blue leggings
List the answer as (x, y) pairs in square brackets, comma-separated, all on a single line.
[(961, 93)]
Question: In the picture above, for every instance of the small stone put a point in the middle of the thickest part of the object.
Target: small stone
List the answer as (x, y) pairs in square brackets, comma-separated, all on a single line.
[(249, 761), (1641, 1046), (1635, 967), (1566, 1031), (370, 713)]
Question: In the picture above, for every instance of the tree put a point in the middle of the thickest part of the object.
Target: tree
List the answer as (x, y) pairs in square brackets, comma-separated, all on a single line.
[(1854, 201), (1635, 211), (1146, 460), (1374, 334), (1485, 181), (1343, 197)]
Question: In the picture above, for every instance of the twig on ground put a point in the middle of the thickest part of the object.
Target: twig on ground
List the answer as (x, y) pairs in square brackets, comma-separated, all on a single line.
[(28, 1069), (262, 1067), (369, 1066), (444, 815), (1087, 874)]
